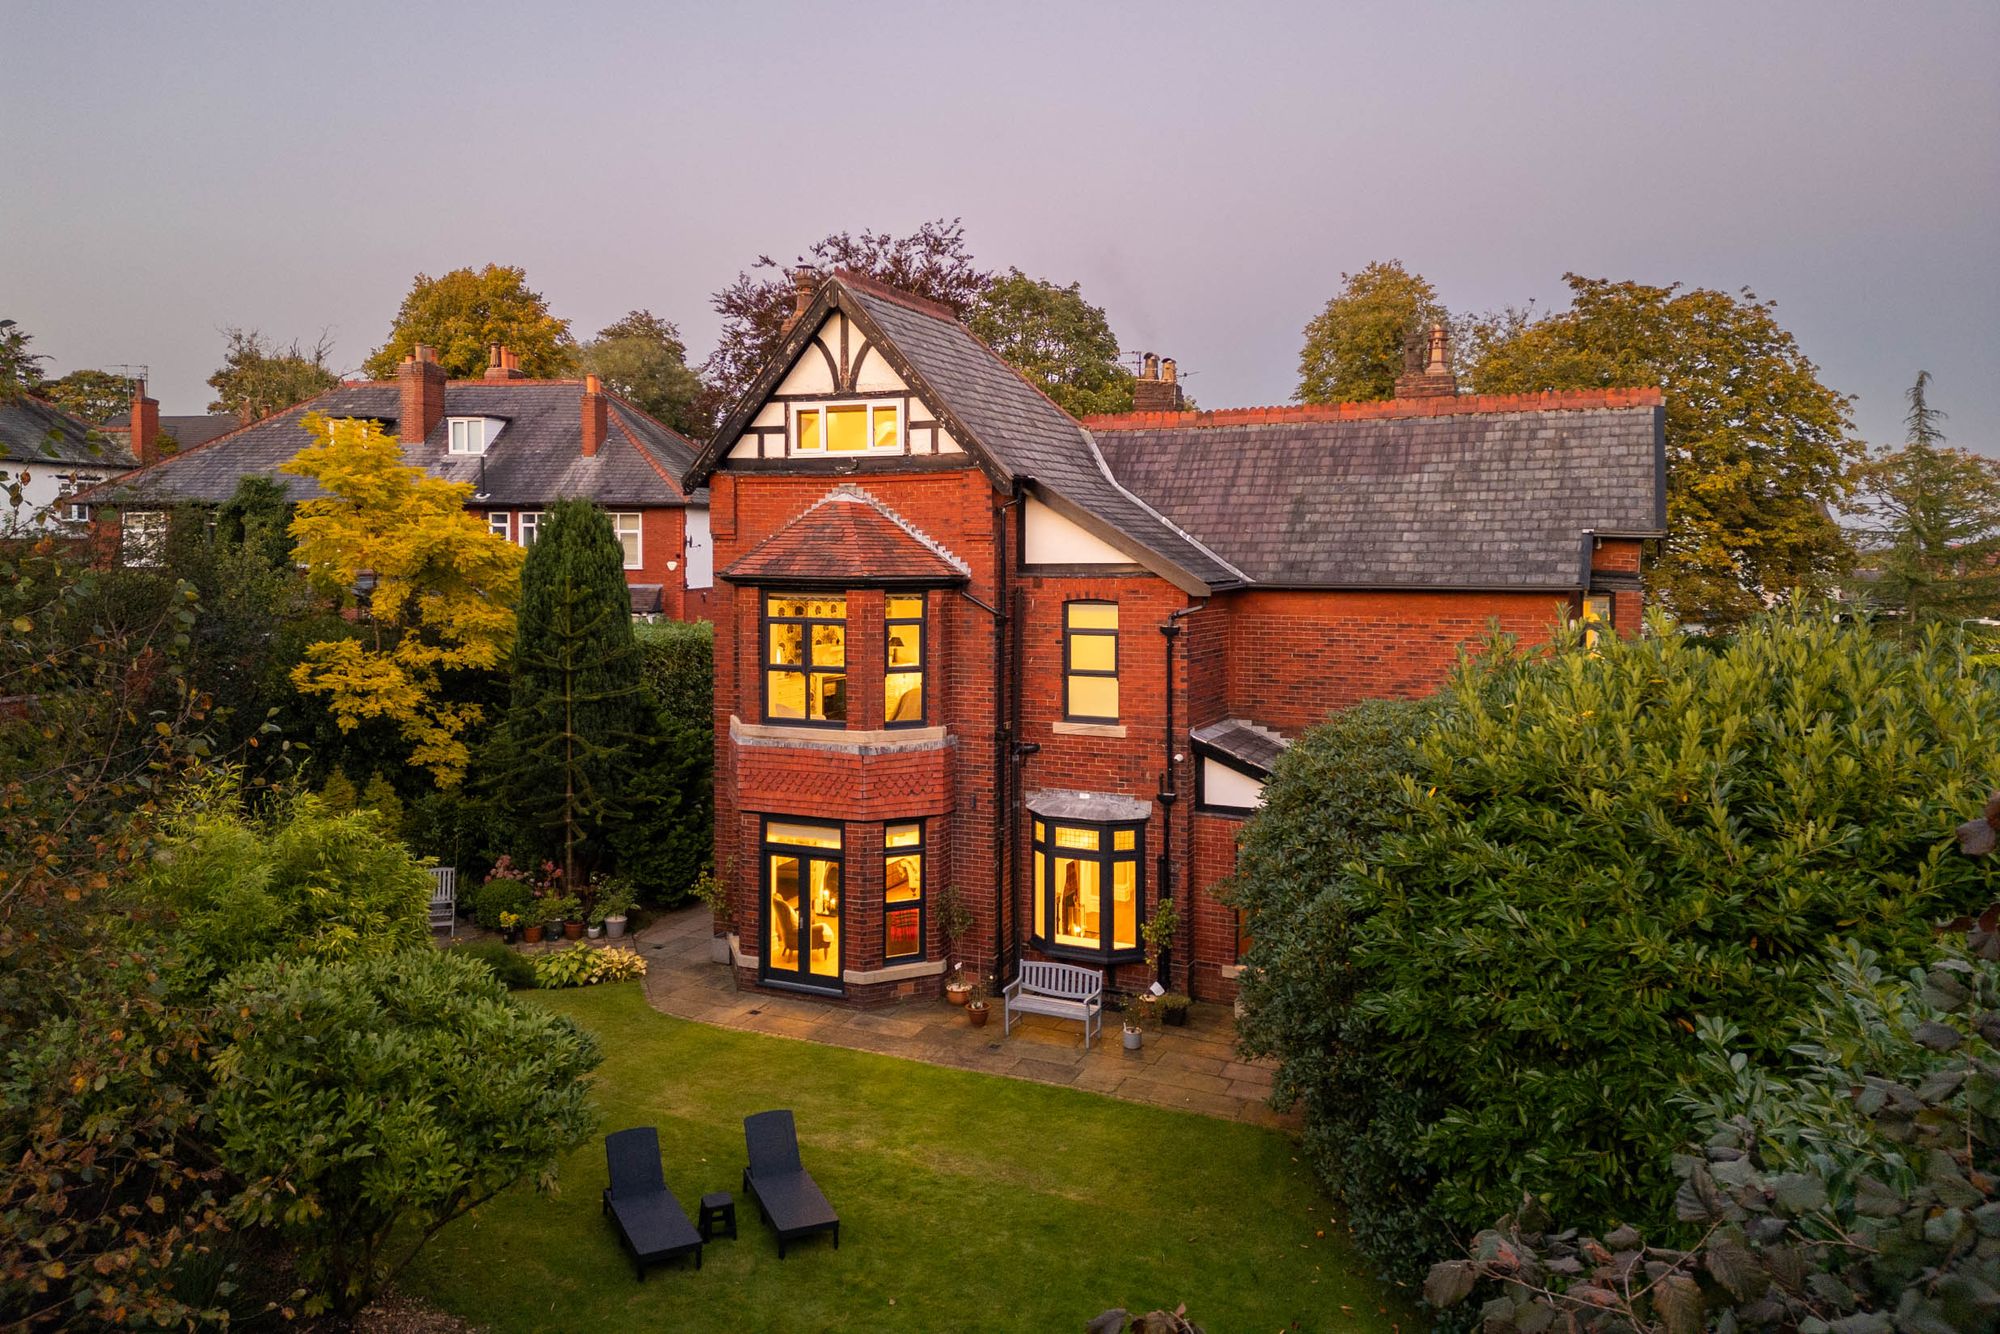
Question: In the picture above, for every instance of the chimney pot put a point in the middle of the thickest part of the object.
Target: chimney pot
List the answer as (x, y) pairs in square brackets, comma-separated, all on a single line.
[(1167, 371), (1435, 379), (1158, 389), (1149, 367), (502, 364)]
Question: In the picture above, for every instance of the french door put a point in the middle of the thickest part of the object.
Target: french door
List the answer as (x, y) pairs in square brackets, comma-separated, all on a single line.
[(802, 934)]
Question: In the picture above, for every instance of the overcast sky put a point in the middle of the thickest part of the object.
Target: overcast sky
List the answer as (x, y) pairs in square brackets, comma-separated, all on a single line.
[(1206, 172)]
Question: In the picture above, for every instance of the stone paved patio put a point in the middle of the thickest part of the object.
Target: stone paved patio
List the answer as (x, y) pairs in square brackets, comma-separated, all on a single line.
[(1194, 1069)]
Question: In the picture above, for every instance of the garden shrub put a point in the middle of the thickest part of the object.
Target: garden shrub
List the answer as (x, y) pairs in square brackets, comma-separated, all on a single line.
[(1593, 852), (583, 966), (668, 836), (1856, 1187), (296, 879), (500, 894), (677, 659), (510, 968), (364, 1103)]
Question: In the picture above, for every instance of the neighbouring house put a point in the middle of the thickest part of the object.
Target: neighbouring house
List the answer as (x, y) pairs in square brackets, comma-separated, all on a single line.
[(47, 458), (520, 443), (176, 431), (965, 642)]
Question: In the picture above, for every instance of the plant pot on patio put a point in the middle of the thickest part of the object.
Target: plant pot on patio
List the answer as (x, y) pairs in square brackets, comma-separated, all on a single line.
[(975, 1013), (595, 931), (1134, 1038), (533, 934), (572, 930), (614, 927), (552, 930), (1174, 1009), (718, 949)]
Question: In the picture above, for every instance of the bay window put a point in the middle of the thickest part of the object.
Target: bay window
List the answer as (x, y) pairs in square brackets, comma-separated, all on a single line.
[(903, 681), (903, 892), (805, 658), (1088, 889)]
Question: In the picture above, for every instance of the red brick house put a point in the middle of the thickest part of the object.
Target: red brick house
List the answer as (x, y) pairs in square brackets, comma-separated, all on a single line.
[(965, 642), (521, 443)]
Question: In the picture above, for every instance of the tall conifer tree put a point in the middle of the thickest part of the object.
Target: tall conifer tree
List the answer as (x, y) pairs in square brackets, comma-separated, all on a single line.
[(579, 721)]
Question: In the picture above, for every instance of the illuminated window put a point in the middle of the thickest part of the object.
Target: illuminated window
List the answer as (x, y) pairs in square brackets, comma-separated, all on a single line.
[(849, 428), (1596, 617), (802, 903), (627, 528), (1090, 662), (498, 525), (903, 892), (903, 682), (805, 658), (1088, 889)]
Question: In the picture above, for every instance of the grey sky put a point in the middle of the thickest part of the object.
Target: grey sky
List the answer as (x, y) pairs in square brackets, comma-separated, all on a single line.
[(1206, 172)]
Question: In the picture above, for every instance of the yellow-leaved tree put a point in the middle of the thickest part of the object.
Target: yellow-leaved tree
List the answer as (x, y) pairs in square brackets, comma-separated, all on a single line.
[(442, 595)]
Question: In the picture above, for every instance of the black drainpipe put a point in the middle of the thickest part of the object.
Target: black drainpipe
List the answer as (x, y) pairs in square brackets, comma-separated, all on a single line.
[(1005, 734), (1169, 794)]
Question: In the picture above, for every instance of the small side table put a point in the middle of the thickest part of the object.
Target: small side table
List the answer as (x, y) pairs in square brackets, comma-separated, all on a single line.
[(717, 1211)]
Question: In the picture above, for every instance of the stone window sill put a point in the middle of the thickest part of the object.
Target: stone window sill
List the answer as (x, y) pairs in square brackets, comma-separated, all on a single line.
[(1088, 729)]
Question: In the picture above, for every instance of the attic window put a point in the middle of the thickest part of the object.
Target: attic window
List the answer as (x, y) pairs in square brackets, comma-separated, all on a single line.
[(468, 435), (849, 428)]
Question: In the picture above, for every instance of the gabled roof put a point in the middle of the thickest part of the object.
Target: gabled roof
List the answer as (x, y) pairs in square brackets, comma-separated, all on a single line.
[(187, 430), (844, 531), (536, 456), (34, 431), (1011, 428), (1469, 492)]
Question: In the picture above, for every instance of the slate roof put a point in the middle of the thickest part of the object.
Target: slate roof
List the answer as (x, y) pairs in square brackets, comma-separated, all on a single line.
[(187, 430), (844, 531), (1252, 746), (536, 456), (33, 431), (1467, 493)]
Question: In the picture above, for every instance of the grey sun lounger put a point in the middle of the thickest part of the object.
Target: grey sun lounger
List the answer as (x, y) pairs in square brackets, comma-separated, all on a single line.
[(783, 1189), (650, 1220)]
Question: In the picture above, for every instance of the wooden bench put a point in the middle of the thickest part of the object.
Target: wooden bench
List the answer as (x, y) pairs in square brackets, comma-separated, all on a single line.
[(1059, 989)]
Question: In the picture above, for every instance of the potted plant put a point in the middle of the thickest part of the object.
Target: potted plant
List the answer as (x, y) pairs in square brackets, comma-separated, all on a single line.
[(713, 890), (975, 1007), (1158, 932), (572, 917), (1137, 1013), (613, 905), (954, 920), (1174, 1009), (510, 926)]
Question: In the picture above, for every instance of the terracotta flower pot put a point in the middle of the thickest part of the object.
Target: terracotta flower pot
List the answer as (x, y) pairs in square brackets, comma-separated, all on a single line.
[(534, 934), (976, 1014), (572, 930), (957, 995)]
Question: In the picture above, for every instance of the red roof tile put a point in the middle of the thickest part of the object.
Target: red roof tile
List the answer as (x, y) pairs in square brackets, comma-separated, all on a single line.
[(851, 538)]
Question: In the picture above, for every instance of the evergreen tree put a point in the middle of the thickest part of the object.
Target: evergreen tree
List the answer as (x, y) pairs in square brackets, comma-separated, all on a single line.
[(1940, 512), (579, 719)]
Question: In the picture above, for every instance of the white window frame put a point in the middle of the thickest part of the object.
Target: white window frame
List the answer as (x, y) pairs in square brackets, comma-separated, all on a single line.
[(872, 404), (458, 435), (75, 482), (636, 558), (527, 527), (141, 536), (500, 523)]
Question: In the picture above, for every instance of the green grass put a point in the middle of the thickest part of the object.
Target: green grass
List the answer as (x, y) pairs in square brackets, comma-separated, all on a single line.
[(967, 1202)]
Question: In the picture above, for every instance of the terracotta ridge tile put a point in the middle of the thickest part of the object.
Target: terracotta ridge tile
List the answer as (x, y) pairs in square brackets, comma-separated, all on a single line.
[(1553, 400)]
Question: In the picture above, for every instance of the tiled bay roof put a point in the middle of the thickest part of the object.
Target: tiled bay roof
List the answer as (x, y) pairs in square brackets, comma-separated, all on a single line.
[(32, 431), (1252, 746), (845, 531), (1446, 493), (536, 456)]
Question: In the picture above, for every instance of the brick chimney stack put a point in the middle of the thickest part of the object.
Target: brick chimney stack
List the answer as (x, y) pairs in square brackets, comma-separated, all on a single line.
[(1427, 371), (502, 364), (1158, 388), (596, 415), (145, 429), (421, 381)]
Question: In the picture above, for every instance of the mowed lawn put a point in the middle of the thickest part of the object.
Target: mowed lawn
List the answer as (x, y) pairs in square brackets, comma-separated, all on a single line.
[(967, 1202)]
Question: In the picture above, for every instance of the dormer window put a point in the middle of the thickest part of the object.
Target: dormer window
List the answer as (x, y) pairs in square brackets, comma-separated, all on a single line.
[(848, 428), (467, 435)]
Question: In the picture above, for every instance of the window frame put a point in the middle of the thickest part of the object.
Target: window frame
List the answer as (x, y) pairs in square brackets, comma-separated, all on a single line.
[(528, 527), (1070, 633), (805, 667), (70, 512), (154, 538), (457, 426), (1586, 615), (638, 560), (767, 848), (922, 670), (1043, 854), (504, 527), (821, 407), (921, 851)]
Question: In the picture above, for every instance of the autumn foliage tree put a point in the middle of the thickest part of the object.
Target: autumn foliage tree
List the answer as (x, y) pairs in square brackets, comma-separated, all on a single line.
[(1759, 452), (439, 588), (258, 377), (465, 310), (1354, 347)]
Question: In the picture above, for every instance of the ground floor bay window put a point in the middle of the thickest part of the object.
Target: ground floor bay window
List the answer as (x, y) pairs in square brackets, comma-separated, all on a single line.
[(1088, 890), (802, 904)]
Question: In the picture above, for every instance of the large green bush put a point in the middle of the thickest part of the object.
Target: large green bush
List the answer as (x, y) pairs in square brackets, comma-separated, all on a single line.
[(296, 879), (668, 836), (366, 1103), (678, 661), (1593, 852)]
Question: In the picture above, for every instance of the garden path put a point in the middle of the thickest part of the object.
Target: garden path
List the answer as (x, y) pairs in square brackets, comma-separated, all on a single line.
[(1195, 1069)]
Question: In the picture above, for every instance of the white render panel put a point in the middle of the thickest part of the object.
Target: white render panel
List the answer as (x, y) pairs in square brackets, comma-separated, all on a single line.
[(947, 445), (875, 374), (1224, 786), (1053, 540), (809, 375), (745, 447), (771, 414)]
